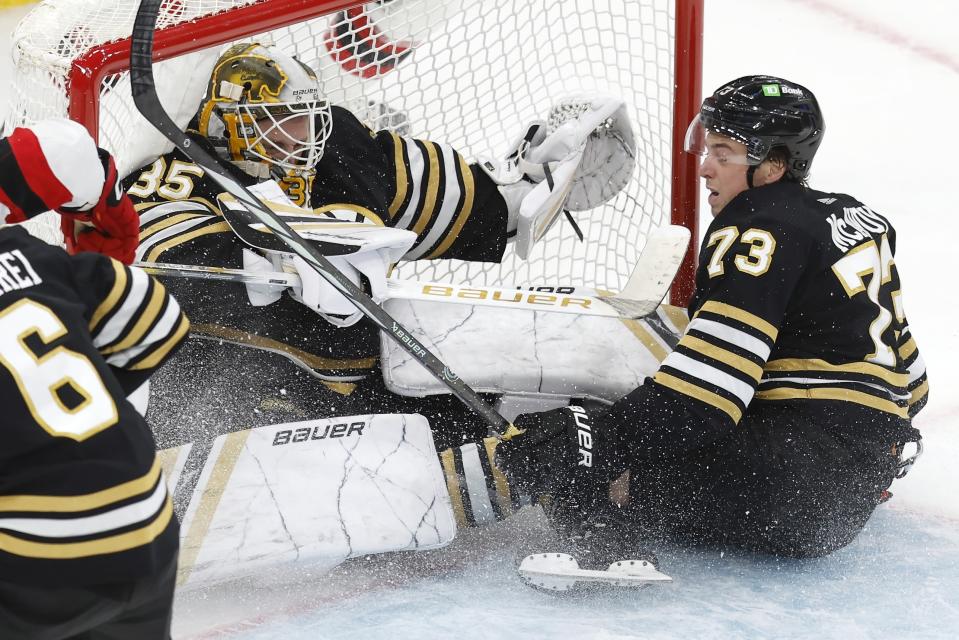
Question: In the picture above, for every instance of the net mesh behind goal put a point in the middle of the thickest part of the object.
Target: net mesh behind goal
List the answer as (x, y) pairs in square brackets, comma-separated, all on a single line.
[(470, 74)]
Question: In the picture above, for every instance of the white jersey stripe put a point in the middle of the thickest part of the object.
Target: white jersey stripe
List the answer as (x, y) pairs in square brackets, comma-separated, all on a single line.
[(101, 523), (451, 200), (418, 164), (149, 243), (820, 382), (127, 313), (161, 210), (733, 336), (703, 371), (163, 329)]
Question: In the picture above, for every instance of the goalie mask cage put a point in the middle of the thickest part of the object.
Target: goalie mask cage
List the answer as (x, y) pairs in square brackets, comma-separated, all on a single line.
[(469, 73)]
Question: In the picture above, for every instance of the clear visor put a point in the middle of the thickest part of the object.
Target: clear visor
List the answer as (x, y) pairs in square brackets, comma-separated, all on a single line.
[(725, 146), (290, 135)]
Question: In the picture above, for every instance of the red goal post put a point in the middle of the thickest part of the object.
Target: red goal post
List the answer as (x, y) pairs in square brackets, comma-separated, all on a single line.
[(470, 73)]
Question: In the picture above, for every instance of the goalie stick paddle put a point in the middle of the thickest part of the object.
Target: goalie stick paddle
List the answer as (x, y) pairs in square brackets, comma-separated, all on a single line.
[(148, 103), (643, 293)]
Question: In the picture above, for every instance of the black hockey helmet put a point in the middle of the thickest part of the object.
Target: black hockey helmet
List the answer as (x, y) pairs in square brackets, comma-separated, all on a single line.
[(763, 113)]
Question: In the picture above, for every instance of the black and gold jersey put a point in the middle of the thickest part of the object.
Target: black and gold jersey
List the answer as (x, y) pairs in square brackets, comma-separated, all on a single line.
[(82, 496), (797, 298), (379, 177), (364, 176)]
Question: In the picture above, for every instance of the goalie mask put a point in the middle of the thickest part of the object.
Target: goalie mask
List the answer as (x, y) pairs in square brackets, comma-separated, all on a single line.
[(264, 112)]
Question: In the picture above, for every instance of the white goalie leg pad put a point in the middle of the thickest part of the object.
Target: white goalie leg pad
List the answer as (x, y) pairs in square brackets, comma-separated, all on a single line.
[(315, 492)]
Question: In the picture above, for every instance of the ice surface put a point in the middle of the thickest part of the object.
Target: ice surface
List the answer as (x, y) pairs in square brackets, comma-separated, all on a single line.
[(886, 73)]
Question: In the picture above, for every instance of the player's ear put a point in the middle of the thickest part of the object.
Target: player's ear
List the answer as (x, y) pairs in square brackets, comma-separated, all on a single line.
[(771, 170)]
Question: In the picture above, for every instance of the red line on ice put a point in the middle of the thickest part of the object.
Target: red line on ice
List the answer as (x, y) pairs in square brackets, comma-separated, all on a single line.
[(885, 33)]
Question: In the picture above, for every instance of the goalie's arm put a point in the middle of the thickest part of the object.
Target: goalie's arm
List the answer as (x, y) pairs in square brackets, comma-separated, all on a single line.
[(468, 211), (454, 208)]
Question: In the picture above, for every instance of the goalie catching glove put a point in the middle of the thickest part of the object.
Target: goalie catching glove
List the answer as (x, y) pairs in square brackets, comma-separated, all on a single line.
[(579, 159)]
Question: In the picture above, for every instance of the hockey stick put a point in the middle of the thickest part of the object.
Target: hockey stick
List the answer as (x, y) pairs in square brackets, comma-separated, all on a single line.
[(148, 104), (644, 291)]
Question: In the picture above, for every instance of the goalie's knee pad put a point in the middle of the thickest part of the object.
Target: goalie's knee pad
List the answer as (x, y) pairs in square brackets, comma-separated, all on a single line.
[(579, 159)]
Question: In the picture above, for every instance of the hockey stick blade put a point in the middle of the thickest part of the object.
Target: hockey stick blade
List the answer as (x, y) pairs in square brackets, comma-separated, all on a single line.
[(654, 271), (561, 572), (148, 104)]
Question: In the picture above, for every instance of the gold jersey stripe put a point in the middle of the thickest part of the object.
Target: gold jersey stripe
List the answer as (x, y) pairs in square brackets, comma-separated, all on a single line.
[(213, 491), (157, 251), (469, 192), (453, 487), (119, 285), (832, 393), (728, 310), (205, 203), (147, 317), (432, 189), (919, 393), (703, 395), (160, 225), (735, 361), (402, 179), (110, 544), (676, 315), (160, 352), (907, 349), (316, 362), (342, 388), (646, 338), (84, 502), (355, 208), (499, 480), (815, 364)]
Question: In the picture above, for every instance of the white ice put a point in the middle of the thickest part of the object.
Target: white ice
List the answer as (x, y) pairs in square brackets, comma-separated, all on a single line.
[(886, 73)]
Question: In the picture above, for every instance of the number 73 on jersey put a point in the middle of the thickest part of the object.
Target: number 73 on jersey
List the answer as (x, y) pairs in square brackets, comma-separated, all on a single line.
[(867, 260)]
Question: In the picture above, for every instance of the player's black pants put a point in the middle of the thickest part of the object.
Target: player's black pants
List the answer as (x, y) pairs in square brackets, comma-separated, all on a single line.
[(141, 609), (797, 478)]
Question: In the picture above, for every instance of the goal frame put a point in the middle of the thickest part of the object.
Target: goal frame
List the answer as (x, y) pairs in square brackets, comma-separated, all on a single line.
[(89, 70)]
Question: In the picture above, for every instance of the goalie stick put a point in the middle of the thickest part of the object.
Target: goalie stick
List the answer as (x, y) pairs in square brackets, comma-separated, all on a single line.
[(283, 237), (644, 291)]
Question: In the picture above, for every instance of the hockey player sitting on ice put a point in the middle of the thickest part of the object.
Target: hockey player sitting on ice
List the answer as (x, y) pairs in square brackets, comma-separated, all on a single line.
[(89, 542), (265, 112), (779, 421)]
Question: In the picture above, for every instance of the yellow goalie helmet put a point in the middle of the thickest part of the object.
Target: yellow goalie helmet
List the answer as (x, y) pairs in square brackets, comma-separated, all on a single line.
[(264, 111)]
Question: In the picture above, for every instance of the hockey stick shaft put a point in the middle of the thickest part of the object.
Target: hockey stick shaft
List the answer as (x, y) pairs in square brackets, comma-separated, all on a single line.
[(147, 102)]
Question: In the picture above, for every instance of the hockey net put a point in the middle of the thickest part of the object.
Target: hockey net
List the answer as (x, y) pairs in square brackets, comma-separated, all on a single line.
[(469, 73)]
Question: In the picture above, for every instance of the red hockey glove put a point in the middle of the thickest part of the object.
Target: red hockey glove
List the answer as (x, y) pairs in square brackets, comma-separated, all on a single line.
[(116, 225)]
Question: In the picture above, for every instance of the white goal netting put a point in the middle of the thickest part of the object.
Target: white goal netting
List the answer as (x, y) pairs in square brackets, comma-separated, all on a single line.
[(469, 73)]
